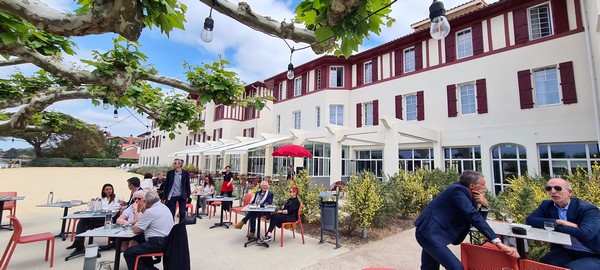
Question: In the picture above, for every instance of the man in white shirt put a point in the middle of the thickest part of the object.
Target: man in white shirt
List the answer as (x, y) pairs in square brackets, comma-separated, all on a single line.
[(156, 223)]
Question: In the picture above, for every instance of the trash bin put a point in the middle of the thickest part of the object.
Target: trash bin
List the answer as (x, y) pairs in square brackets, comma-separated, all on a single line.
[(329, 216)]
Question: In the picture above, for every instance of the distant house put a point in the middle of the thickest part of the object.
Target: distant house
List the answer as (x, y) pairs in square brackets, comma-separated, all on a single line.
[(129, 145)]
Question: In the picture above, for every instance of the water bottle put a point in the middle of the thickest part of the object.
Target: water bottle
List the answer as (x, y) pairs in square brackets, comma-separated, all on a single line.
[(108, 221), (50, 197)]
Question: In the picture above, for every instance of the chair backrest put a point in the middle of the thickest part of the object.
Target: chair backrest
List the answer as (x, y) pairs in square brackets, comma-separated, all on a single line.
[(176, 252), (299, 213), (247, 199), (480, 257), (17, 228), (9, 204), (525, 264)]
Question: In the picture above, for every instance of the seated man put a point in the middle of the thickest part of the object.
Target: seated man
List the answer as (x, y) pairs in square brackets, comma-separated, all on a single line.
[(132, 215), (579, 219), (262, 197), (156, 223)]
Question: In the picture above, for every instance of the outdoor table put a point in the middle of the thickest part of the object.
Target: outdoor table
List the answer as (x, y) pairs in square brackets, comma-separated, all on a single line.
[(66, 205), (260, 210), (7, 199), (221, 199), (198, 195), (83, 215), (503, 228), (118, 232)]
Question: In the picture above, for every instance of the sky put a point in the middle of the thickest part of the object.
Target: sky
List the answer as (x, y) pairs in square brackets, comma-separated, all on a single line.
[(243, 47)]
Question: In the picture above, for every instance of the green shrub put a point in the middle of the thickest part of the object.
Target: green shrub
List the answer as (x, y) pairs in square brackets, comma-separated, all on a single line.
[(51, 162), (308, 195), (363, 200), (151, 169)]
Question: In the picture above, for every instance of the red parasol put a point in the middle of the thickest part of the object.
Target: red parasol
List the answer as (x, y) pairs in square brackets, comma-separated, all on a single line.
[(292, 150)]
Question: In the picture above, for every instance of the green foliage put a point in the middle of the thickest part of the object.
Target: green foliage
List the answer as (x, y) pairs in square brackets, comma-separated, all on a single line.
[(586, 186), (65, 162), (190, 167), (123, 57), (223, 86), (150, 169), (308, 195), (350, 31), (520, 198), (363, 200), (51, 162), (20, 86)]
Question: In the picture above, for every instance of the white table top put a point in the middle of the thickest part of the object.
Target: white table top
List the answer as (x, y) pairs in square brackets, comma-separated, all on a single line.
[(249, 208), (503, 228), (199, 194), (63, 204), (223, 199), (8, 198), (116, 231), (85, 214)]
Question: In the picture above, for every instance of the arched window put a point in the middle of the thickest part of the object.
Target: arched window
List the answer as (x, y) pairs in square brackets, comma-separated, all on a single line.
[(509, 161)]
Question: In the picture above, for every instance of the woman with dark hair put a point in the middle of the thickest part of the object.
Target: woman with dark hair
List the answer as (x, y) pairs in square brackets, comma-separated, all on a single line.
[(147, 183), (227, 186), (109, 200), (208, 189), (289, 213)]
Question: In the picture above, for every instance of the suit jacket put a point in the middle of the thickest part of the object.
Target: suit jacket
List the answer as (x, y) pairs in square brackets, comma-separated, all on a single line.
[(582, 213), (176, 249), (185, 184), (448, 218), (268, 200)]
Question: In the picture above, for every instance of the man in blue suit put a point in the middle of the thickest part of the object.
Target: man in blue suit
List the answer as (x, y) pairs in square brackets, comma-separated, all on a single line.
[(579, 219), (177, 189), (447, 219)]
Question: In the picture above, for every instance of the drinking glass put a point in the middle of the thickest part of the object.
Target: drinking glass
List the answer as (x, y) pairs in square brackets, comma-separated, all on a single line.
[(549, 226), (509, 218)]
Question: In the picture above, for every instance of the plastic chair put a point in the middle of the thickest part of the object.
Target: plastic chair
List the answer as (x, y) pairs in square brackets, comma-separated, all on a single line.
[(17, 238), (214, 209), (293, 224), (476, 257), (73, 228), (137, 258), (238, 209), (188, 207), (10, 205), (525, 264)]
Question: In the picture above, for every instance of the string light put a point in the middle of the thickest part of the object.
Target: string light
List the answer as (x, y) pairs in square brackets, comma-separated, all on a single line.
[(440, 27), (105, 103), (207, 33), (116, 114), (290, 70)]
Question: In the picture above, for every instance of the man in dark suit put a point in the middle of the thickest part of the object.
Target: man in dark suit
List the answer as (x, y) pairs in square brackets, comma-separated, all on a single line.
[(579, 219), (177, 189), (261, 198), (448, 218)]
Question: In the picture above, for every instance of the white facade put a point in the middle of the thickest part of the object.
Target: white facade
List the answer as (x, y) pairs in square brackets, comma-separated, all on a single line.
[(479, 102)]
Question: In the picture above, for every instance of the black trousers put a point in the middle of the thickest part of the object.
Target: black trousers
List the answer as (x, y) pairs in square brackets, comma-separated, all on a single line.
[(144, 248), (172, 204), (83, 225), (226, 205)]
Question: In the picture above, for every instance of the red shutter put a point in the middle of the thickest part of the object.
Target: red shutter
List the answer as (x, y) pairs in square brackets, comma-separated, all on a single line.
[(245, 135), (399, 107), (252, 132), (376, 112), (560, 17), (374, 69), (451, 92), (418, 56), (359, 74), (567, 82), (420, 106), (398, 59), (481, 96), (290, 89), (358, 115), (214, 134), (477, 35), (450, 42), (187, 140), (203, 136), (520, 23), (323, 78), (304, 84), (525, 89)]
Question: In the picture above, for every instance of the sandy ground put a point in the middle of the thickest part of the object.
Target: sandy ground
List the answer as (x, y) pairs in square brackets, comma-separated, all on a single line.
[(217, 248)]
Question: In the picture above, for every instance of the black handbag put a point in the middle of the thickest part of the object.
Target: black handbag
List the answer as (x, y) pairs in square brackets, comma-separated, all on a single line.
[(190, 219)]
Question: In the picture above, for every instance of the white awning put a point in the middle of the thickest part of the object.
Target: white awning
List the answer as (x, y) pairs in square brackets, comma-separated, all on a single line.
[(201, 151), (219, 150), (187, 151), (242, 150)]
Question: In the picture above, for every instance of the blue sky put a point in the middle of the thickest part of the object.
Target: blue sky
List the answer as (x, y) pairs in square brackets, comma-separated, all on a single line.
[(243, 47)]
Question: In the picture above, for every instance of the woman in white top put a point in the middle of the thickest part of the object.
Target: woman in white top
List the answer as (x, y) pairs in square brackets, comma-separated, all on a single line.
[(207, 190), (147, 183), (109, 200)]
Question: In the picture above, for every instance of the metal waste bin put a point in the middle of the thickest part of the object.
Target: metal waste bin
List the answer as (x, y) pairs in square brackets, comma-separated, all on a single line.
[(329, 216)]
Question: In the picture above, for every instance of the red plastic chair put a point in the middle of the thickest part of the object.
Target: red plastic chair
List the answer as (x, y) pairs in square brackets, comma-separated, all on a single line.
[(476, 257), (137, 258), (73, 228), (17, 238), (11, 206), (238, 209), (293, 224), (525, 264), (188, 207)]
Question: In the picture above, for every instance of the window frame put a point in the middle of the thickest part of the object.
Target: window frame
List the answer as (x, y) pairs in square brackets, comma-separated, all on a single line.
[(333, 108), (406, 60), (368, 64), (368, 117), (530, 22), (406, 107), (318, 116), (278, 124), (297, 86), (318, 76), (280, 92), (297, 119), (461, 49), (459, 93), (557, 93), (339, 70)]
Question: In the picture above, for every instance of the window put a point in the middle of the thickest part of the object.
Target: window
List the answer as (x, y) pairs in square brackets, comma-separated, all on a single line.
[(368, 161), (411, 107), (234, 161), (463, 158), (336, 114), (336, 77), (540, 24), (557, 160), (414, 159), (207, 164), (280, 91), (319, 164), (346, 161), (509, 161), (249, 132), (278, 124), (368, 113), (297, 120), (468, 103), (409, 60), (318, 75), (256, 162), (464, 44), (368, 72), (318, 116), (297, 86), (546, 86)]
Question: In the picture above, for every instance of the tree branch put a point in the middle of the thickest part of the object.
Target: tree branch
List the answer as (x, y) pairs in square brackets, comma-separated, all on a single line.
[(123, 17), (173, 82), (12, 62), (338, 10)]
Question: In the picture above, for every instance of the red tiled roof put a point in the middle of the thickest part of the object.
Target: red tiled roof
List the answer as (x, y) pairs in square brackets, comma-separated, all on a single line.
[(130, 154)]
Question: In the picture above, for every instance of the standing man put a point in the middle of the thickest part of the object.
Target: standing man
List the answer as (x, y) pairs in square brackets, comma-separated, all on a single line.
[(177, 189), (447, 219), (577, 218), (155, 223), (261, 197), (290, 173), (227, 187)]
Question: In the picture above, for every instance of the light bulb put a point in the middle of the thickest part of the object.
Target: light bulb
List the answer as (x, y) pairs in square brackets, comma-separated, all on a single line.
[(207, 32), (105, 103), (116, 114), (290, 72), (440, 27)]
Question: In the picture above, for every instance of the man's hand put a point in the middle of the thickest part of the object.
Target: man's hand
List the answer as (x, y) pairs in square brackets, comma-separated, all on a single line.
[(566, 223), (480, 198), (510, 251)]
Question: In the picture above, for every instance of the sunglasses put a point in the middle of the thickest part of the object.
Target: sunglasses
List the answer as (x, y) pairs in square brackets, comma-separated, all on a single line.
[(137, 199), (557, 188)]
